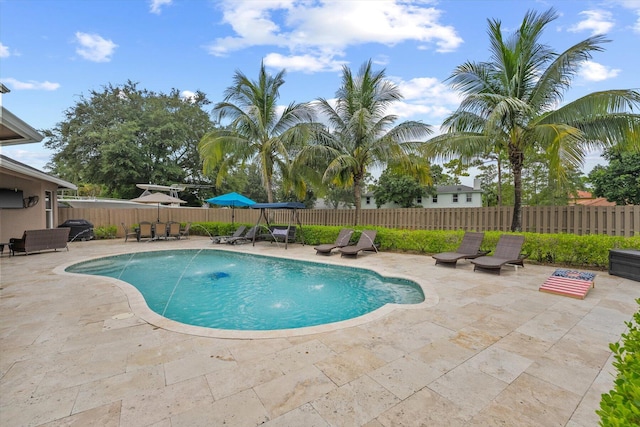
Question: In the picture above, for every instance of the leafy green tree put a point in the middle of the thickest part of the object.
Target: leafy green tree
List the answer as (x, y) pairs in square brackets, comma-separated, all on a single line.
[(256, 132), (619, 182), (361, 135), (511, 103), (398, 188), (123, 135), (339, 196)]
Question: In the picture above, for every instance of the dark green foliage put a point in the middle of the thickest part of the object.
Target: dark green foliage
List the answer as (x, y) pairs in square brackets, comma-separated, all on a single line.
[(397, 188), (123, 135), (619, 182), (621, 406), (106, 232)]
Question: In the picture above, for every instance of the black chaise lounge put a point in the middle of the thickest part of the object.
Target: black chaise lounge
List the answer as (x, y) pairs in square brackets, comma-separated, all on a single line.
[(469, 249), (507, 252), (365, 243), (341, 241), (247, 238), (222, 239)]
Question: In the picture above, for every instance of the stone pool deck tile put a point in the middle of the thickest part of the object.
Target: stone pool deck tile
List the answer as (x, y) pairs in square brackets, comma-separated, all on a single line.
[(482, 350)]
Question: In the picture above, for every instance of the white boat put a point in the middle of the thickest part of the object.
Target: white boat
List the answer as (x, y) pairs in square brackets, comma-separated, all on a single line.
[(98, 202)]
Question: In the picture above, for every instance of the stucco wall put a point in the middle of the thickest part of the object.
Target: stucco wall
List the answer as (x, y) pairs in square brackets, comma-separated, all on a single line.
[(14, 221)]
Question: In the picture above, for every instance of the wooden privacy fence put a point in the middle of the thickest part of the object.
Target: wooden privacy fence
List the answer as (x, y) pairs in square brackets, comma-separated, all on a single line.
[(611, 220)]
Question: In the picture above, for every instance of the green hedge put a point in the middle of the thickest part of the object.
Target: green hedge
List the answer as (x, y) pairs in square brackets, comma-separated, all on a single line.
[(621, 406), (558, 249)]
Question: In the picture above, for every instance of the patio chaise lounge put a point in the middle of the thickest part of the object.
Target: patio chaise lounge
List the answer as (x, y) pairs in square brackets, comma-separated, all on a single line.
[(243, 239), (507, 252), (341, 241), (469, 249), (225, 239), (365, 243)]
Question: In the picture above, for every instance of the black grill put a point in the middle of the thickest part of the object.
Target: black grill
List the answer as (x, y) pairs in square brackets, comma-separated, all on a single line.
[(81, 229)]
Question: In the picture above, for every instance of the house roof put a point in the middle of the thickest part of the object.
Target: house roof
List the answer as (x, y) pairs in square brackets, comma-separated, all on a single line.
[(15, 166), (442, 189), (585, 198), (15, 131)]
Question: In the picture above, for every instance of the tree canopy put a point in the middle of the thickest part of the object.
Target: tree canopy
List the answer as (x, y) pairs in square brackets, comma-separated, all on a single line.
[(619, 182), (256, 132), (361, 134), (510, 106), (123, 135), (397, 188)]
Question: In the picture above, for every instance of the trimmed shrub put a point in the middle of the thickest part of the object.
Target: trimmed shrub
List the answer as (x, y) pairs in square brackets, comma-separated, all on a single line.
[(105, 232), (564, 249), (621, 406)]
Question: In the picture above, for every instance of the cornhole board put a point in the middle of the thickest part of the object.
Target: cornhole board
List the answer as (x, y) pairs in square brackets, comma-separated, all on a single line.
[(574, 284)]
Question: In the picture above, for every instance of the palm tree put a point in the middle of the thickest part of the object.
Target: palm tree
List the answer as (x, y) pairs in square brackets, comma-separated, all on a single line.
[(361, 135), (256, 133), (511, 104)]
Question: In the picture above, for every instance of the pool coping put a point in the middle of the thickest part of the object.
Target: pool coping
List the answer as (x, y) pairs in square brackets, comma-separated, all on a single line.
[(139, 307)]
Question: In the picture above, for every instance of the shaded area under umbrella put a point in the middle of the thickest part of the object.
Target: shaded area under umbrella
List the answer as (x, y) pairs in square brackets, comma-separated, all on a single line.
[(233, 200), (158, 198)]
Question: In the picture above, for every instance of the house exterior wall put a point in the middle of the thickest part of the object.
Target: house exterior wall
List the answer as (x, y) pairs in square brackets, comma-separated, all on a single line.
[(466, 198), (13, 222)]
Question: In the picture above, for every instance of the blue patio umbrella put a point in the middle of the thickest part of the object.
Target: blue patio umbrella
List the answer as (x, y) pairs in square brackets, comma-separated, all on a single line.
[(233, 200)]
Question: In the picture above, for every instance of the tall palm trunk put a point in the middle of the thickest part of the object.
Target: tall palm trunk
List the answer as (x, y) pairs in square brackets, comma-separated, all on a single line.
[(499, 181), (516, 158), (358, 197), (269, 191)]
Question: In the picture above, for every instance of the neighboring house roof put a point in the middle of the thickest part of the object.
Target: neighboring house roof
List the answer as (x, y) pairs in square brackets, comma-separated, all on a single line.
[(15, 166), (585, 198)]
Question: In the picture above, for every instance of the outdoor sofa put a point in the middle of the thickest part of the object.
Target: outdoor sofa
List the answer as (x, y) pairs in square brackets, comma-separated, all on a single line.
[(41, 240)]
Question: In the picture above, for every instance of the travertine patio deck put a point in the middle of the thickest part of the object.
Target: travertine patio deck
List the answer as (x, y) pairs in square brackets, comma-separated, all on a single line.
[(488, 350)]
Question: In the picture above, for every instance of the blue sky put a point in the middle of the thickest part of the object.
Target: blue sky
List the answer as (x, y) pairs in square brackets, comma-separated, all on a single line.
[(53, 51)]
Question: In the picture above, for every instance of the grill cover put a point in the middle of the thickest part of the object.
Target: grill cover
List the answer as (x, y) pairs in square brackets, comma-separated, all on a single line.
[(81, 229)]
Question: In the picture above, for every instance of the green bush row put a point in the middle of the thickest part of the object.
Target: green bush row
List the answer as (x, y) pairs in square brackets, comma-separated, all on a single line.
[(621, 406), (558, 249), (105, 232)]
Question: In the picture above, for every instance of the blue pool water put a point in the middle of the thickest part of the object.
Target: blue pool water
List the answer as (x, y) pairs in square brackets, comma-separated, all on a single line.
[(236, 291)]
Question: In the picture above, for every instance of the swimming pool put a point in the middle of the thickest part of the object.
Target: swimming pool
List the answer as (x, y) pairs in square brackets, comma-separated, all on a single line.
[(238, 291)]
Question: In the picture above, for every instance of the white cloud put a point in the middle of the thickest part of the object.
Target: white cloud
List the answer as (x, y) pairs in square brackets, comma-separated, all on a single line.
[(594, 72), (428, 89), (305, 63), (155, 6), (325, 28), (30, 85), (4, 51), (188, 95), (596, 21), (94, 48), (633, 5)]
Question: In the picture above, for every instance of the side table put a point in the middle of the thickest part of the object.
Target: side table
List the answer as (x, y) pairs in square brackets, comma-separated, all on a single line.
[(2, 245)]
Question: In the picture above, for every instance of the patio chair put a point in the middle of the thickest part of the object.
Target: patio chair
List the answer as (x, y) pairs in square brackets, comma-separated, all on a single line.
[(341, 241), (128, 233), (469, 249), (507, 252), (222, 239), (173, 230), (145, 230), (160, 230), (365, 243), (184, 232), (247, 238)]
